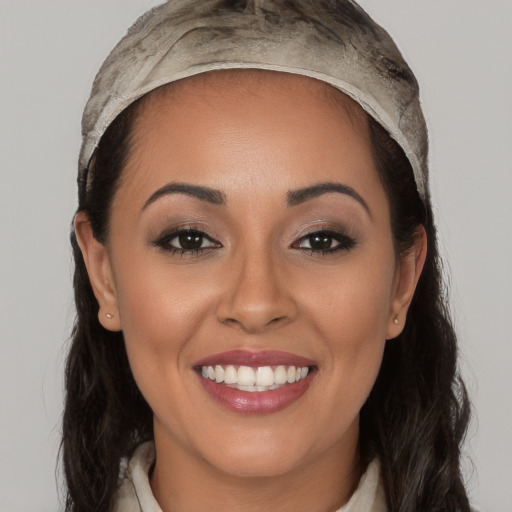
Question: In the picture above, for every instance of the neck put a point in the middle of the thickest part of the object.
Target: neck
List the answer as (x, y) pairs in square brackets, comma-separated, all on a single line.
[(182, 482)]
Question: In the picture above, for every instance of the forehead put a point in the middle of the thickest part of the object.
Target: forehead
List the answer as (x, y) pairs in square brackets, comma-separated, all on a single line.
[(249, 128), (214, 85)]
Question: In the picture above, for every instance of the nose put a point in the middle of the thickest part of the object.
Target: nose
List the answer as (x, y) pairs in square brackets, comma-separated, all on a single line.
[(256, 295)]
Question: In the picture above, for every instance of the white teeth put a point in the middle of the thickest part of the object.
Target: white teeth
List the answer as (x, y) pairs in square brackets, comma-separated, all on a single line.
[(280, 375), (219, 374), (230, 375), (262, 378), (246, 376)]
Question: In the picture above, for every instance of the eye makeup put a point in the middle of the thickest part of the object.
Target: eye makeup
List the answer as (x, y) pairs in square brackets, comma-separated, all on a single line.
[(325, 241), (186, 240)]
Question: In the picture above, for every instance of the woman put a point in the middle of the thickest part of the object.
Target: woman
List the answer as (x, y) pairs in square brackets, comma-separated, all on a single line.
[(260, 316)]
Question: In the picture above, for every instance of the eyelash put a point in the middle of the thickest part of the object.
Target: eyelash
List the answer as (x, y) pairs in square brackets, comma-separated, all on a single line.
[(164, 242), (345, 242)]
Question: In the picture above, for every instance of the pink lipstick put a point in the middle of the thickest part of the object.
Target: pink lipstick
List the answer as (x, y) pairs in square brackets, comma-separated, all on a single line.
[(255, 382)]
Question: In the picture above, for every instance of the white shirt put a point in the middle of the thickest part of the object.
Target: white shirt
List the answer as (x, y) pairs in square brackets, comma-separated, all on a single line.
[(135, 493)]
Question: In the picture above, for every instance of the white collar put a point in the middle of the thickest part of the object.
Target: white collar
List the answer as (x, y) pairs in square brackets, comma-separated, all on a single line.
[(135, 493)]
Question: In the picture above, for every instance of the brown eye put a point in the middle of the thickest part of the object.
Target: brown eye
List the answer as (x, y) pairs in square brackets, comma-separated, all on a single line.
[(325, 241), (185, 241), (190, 241), (321, 242)]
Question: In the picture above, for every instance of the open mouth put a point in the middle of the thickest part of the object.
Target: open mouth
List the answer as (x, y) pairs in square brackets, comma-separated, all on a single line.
[(250, 382), (255, 379)]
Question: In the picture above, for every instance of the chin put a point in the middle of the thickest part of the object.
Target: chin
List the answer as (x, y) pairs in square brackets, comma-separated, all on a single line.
[(253, 463)]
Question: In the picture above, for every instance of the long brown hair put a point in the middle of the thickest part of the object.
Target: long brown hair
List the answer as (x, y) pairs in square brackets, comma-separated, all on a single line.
[(414, 420)]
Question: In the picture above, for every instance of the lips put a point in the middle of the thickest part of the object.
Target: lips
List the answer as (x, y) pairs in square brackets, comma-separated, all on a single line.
[(255, 382), (254, 359)]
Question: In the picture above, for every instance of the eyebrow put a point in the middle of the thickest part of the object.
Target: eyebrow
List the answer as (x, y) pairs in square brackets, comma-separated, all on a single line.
[(207, 194), (294, 197), (301, 195)]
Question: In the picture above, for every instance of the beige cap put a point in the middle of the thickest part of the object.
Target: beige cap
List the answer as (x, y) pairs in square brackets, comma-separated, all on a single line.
[(334, 41)]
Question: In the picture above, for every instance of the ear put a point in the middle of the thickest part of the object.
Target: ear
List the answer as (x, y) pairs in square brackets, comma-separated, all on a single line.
[(407, 276), (98, 266)]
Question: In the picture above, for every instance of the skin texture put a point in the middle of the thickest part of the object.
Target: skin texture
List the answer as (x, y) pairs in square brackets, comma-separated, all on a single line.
[(254, 137)]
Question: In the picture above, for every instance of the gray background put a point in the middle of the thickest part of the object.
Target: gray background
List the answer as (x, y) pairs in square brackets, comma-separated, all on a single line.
[(49, 53)]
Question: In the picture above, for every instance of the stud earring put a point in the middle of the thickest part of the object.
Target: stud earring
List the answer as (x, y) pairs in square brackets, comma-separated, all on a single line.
[(109, 316), (395, 320)]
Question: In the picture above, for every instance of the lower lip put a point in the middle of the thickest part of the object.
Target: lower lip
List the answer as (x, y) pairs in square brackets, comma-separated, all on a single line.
[(258, 402)]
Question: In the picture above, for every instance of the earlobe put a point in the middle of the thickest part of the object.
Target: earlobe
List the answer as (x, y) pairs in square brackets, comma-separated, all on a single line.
[(99, 269), (408, 273)]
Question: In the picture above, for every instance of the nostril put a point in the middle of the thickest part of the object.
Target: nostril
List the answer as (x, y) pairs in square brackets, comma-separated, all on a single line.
[(254, 305), (278, 319), (253, 323)]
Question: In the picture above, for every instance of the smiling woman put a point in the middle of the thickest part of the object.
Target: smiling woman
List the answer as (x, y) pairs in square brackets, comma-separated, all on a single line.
[(260, 319)]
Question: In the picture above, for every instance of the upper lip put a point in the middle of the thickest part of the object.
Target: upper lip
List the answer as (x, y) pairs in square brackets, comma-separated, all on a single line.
[(251, 358)]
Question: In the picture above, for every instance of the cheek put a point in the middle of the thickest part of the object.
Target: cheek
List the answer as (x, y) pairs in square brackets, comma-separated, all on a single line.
[(353, 303), (160, 313), (352, 318)]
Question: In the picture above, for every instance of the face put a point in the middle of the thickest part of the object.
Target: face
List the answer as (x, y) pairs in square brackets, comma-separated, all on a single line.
[(251, 267)]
